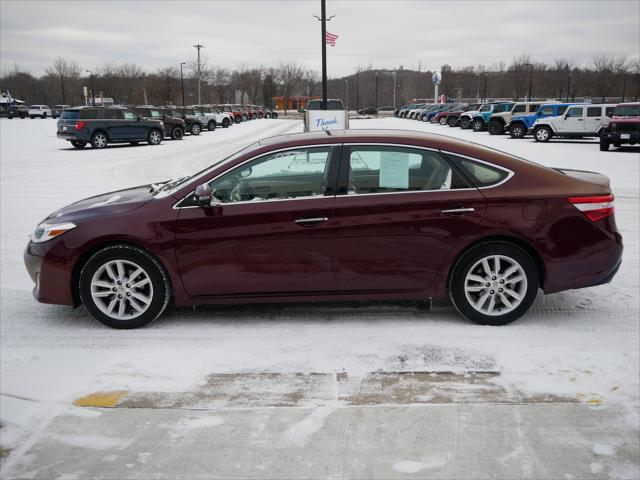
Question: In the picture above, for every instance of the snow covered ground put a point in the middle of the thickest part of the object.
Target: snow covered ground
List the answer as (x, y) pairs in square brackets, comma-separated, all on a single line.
[(381, 390)]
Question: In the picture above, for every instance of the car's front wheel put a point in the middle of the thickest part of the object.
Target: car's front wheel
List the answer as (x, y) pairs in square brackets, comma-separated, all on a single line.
[(517, 130), (196, 128), (465, 123), (452, 121), (211, 126), (225, 123), (124, 287), (443, 120), (177, 133), (477, 125), (495, 128), (99, 140), (154, 137), (494, 283), (542, 134)]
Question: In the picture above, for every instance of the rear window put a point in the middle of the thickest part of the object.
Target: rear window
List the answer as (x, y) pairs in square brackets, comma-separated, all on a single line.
[(69, 115)]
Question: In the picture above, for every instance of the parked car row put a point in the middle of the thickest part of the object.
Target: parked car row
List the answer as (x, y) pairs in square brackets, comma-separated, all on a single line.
[(100, 126), (612, 124)]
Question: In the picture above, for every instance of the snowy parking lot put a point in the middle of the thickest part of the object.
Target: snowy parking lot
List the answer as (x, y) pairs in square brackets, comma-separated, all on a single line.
[(378, 390)]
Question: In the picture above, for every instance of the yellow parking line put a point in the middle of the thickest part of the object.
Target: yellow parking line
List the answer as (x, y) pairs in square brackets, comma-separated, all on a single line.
[(101, 399)]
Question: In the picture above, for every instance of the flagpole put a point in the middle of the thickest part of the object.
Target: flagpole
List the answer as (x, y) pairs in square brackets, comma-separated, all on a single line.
[(323, 22)]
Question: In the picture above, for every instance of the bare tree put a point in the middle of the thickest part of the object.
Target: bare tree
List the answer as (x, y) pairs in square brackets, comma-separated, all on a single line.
[(605, 68), (289, 74), (63, 69), (220, 79)]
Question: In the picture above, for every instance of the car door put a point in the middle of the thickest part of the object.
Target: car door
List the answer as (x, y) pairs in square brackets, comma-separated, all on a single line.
[(573, 121), (593, 120), (115, 124), (136, 128), (398, 213), (271, 233)]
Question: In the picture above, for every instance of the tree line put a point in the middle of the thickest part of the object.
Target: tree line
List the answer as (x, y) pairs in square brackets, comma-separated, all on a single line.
[(607, 77)]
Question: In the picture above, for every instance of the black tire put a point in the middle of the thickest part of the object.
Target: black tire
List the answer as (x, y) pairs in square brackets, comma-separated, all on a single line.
[(495, 127), (604, 144), (452, 121), (31, 117), (442, 120), (542, 133), (274, 115), (465, 123), (469, 260), (195, 129), (211, 126), (617, 145), (44, 115), (78, 144), (177, 133), (159, 281), (154, 137), (99, 140), (517, 130), (237, 119), (477, 125), (134, 142), (225, 123)]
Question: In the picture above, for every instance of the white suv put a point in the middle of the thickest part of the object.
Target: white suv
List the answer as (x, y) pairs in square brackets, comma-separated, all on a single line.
[(577, 122), (42, 111)]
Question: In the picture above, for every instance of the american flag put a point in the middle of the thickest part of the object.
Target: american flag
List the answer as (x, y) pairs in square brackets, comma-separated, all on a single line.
[(331, 39)]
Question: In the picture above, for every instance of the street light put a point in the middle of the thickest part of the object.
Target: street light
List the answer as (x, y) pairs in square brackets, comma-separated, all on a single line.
[(93, 98), (182, 82), (530, 78), (394, 89), (624, 85), (346, 83)]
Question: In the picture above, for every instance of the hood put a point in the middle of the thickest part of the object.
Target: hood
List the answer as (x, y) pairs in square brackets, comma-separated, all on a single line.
[(113, 203)]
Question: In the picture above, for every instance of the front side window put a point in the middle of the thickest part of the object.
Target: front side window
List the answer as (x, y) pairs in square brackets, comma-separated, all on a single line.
[(279, 176), (382, 169), (519, 109), (155, 113), (129, 115), (574, 112), (485, 108), (534, 108), (503, 107), (594, 111), (609, 111), (545, 112)]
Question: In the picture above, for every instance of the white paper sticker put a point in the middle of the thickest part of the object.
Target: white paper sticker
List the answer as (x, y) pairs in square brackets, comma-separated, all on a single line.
[(394, 170)]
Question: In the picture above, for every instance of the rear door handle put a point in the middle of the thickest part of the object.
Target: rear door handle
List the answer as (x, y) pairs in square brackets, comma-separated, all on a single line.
[(457, 211), (311, 222)]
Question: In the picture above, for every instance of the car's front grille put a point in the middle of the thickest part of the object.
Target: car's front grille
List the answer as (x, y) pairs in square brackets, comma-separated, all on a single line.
[(627, 127)]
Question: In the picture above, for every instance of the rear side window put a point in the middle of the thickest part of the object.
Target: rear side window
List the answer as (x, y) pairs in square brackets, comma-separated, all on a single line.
[(69, 115), (594, 111), (91, 113), (519, 109), (113, 114), (482, 174), (382, 169)]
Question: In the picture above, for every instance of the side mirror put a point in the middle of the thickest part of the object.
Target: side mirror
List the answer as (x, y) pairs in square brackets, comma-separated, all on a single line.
[(204, 197), (139, 118)]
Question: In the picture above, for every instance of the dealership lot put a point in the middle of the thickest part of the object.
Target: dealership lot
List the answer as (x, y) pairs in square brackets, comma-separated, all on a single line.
[(381, 390)]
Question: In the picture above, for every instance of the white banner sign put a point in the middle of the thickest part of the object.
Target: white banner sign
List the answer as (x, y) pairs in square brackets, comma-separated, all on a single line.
[(327, 120)]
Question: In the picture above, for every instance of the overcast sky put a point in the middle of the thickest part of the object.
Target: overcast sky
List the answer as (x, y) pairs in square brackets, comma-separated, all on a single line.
[(385, 34)]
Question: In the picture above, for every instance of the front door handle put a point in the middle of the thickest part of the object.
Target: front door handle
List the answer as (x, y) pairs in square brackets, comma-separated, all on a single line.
[(457, 211), (311, 222)]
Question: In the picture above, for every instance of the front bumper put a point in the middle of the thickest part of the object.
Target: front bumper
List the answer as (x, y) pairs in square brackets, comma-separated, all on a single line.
[(51, 277), (621, 137)]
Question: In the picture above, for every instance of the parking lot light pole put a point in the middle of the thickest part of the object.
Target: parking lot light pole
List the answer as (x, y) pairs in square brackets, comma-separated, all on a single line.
[(346, 84), (182, 82), (394, 89), (568, 85), (93, 98), (198, 47), (376, 89)]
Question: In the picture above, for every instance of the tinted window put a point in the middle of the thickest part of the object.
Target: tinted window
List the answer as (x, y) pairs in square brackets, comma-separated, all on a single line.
[(70, 114), (504, 107), (113, 114), (519, 109), (545, 112), (594, 111), (91, 113), (562, 109), (574, 112), (609, 111), (380, 169), (627, 110), (534, 108), (481, 174), (283, 175)]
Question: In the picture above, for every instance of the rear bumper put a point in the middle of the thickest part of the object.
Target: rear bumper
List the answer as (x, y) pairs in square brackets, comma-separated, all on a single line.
[(72, 136)]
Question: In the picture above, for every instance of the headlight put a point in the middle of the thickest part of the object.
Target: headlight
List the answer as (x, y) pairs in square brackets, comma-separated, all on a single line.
[(46, 231)]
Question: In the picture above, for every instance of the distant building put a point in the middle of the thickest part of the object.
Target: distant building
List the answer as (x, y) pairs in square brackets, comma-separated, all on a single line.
[(445, 68), (104, 101), (294, 102)]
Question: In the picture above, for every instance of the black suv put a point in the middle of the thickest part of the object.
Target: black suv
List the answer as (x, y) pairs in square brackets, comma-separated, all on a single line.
[(103, 125), (174, 126), (192, 122)]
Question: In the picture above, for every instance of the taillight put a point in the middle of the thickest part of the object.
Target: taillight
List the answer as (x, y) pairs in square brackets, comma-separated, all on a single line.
[(595, 208), (80, 125)]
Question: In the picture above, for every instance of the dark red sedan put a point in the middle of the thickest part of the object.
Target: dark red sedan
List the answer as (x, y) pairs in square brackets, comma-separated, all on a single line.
[(356, 215)]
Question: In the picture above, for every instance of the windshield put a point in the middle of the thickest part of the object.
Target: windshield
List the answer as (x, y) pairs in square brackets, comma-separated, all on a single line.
[(167, 188), (627, 111)]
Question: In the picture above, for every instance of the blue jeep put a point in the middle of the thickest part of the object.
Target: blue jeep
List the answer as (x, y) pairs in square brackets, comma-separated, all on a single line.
[(480, 119), (521, 125)]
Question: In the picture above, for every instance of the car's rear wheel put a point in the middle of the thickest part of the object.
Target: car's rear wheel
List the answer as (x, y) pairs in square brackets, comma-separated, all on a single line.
[(177, 133), (196, 128), (495, 128), (443, 120), (154, 137), (44, 115), (465, 123), (542, 134), (517, 130), (477, 125), (452, 121), (124, 287), (78, 144), (211, 126), (494, 283), (604, 144), (225, 123), (99, 140)]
